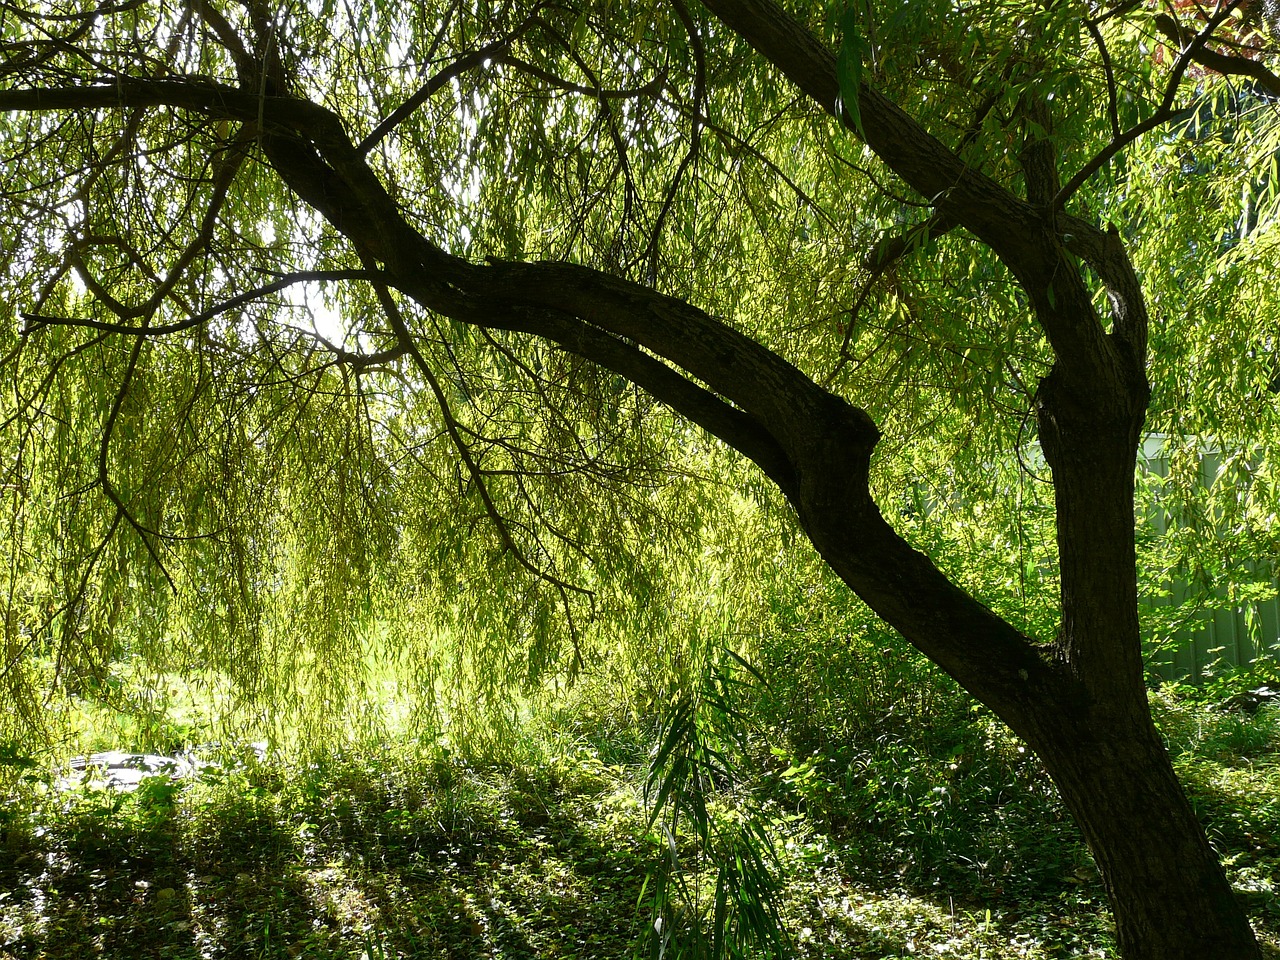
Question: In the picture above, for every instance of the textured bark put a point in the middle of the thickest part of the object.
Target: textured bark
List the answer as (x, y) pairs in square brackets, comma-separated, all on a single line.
[(1161, 876), (1079, 702)]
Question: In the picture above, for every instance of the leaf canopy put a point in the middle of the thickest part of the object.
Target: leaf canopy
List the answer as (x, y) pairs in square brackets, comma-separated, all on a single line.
[(220, 460)]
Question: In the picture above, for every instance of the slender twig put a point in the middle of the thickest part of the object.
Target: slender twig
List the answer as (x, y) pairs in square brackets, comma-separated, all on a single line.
[(469, 61), (1164, 113), (1113, 112), (35, 321), (649, 89), (695, 135)]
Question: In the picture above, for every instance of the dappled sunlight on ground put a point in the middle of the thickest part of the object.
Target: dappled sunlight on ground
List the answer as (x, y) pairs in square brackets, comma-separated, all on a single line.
[(372, 857)]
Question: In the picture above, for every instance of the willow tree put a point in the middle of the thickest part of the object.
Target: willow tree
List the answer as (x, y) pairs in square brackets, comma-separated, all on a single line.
[(564, 246)]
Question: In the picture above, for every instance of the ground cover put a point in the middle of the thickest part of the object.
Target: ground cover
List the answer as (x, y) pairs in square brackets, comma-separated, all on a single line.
[(902, 850)]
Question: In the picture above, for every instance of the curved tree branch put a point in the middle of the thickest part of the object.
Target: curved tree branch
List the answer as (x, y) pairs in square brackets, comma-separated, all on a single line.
[(1023, 236), (814, 445), (34, 321)]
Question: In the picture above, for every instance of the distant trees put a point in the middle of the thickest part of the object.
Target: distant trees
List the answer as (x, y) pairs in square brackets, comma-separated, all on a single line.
[(319, 309)]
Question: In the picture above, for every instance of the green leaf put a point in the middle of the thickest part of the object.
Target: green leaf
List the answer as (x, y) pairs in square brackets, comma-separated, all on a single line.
[(579, 32), (10, 756), (854, 50)]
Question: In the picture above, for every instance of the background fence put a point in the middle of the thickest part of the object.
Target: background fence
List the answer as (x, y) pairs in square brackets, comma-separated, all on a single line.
[(1216, 632), (1219, 637)]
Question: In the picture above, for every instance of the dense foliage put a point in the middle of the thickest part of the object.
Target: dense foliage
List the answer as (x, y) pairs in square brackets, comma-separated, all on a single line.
[(370, 362)]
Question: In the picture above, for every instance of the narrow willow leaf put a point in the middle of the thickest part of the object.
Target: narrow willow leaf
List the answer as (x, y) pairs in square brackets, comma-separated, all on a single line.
[(855, 50)]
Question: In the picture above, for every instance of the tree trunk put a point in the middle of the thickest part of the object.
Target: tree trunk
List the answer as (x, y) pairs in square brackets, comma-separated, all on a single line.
[(1169, 894), (1167, 890), (1079, 702)]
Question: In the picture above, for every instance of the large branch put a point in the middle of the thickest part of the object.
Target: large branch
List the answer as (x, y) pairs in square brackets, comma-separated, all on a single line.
[(816, 446), (1226, 64), (1026, 238), (985, 208)]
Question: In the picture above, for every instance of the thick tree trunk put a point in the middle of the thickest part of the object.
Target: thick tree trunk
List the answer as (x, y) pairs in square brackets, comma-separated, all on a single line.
[(1080, 702), (1168, 893)]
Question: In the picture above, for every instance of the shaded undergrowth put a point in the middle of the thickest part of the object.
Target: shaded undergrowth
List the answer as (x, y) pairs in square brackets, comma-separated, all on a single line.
[(897, 851), (901, 820), (370, 855)]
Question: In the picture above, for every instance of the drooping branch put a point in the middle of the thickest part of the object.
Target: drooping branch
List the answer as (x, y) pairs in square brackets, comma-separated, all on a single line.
[(816, 446), (454, 431), (1018, 232), (1108, 71), (1166, 111), (149, 537)]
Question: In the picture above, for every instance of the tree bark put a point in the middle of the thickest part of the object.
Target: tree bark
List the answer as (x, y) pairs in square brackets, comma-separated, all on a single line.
[(1164, 882), (1080, 703)]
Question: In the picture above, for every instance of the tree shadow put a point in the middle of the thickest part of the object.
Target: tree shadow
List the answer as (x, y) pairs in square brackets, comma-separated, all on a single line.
[(354, 871)]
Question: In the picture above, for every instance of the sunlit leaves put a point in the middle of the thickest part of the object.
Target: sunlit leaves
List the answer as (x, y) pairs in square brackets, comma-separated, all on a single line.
[(700, 751), (297, 492), (854, 51)]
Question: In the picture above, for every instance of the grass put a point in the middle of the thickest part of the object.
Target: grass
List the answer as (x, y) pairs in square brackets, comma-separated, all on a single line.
[(355, 856), (911, 845)]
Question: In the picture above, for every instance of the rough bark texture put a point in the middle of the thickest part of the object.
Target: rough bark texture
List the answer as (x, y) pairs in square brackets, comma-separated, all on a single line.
[(1078, 701)]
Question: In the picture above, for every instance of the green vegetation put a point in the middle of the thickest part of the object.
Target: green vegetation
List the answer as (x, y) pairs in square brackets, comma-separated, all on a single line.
[(682, 471), (902, 838)]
